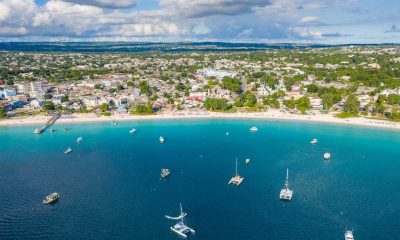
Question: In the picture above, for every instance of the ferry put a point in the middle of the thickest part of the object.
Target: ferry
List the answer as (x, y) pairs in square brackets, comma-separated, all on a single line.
[(132, 130), (69, 150), (165, 172), (286, 194), (314, 141), (180, 227), (162, 139), (348, 235), (253, 129), (79, 139), (51, 198), (327, 156), (236, 180)]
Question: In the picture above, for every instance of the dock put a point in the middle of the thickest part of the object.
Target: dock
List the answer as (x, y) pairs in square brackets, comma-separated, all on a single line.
[(50, 122)]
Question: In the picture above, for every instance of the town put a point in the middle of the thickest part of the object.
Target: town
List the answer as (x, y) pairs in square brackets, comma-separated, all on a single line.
[(347, 81)]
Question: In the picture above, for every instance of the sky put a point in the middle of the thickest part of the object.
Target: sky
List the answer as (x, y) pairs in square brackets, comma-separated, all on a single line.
[(262, 21)]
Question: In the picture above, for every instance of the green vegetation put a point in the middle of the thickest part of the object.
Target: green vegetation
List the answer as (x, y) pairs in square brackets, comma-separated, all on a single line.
[(217, 104), (232, 84), (142, 109), (352, 105), (303, 104), (144, 88), (48, 106), (3, 113)]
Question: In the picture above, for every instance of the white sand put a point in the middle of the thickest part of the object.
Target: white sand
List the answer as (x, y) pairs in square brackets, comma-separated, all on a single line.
[(270, 115)]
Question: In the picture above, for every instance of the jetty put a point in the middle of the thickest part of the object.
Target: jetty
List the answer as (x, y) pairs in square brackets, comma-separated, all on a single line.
[(50, 122)]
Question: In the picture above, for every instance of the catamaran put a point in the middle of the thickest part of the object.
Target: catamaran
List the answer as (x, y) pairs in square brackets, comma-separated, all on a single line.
[(314, 141), (236, 180), (132, 130), (69, 150), (253, 129), (51, 198), (348, 235), (162, 139), (180, 227), (286, 194)]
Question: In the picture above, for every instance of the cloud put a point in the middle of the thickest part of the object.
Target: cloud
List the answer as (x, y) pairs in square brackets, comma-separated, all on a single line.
[(105, 3), (309, 19), (393, 29), (334, 35), (201, 29)]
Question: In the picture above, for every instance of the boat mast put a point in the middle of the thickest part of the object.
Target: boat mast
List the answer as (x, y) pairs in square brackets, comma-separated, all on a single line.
[(287, 178), (236, 168), (182, 216)]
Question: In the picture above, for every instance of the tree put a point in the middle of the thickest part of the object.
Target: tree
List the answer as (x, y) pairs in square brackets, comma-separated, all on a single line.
[(232, 84), (3, 113), (47, 96), (144, 88), (130, 84), (217, 104), (352, 105), (303, 104), (312, 88), (65, 98), (289, 103), (48, 106), (98, 86), (104, 107), (142, 109)]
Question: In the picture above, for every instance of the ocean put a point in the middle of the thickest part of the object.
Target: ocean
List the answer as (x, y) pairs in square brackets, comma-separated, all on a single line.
[(110, 184)]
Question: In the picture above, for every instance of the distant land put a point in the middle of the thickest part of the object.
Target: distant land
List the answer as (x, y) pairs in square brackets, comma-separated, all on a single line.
[(157, 46)]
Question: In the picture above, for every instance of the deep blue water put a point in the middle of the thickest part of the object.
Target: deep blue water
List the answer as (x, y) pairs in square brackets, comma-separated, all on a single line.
[(110, 185)]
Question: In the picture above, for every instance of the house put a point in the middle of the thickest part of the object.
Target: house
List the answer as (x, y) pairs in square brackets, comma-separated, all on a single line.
[(16, 104), (7, 93), (316, 103), (37, 103)]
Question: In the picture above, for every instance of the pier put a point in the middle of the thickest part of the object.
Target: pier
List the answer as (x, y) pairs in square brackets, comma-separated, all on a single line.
[(51, 121)]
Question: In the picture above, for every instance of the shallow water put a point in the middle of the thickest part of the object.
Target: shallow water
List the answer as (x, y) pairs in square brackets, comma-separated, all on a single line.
[(110, 184)]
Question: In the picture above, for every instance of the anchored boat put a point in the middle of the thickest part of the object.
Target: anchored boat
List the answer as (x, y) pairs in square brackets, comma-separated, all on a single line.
[(236, 180), (132, 130), (69, 150), (79, 139), (162, 139), (348, 235), (286, 194), (180, 227), (253, 129), (314, 141), (51, 198), (327, 156), (247, 161)]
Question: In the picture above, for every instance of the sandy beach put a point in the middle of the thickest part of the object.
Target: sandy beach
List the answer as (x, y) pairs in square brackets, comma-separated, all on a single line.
[(270, 115)]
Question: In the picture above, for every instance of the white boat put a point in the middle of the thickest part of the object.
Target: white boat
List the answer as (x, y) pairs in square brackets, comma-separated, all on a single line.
[(286, 194), (236, 180), (314, 141), (247, 161), (51, 198), (180, 227), (162, 139), (132, 130), (327, 156), (68, 150), (37, 131), (253, 129), (165, 172), (79, 139), (348, 235)]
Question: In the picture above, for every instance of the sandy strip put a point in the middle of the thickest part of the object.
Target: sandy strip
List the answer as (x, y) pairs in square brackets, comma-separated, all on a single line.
[(270, 115)]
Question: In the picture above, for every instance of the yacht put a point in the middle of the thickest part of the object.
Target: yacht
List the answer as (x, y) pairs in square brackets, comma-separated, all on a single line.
[(51, 198), (79, 139), (286, 194), (37, 131), (236, 180), (348, 235), (161, 139), (180, 227), (247, 161), (165, 172), (327, 156), (314, 141), (253, 129), (69, 150), (132, 130)]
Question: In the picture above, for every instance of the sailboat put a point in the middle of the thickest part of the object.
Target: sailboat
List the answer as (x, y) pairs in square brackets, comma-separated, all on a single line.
[(236, 180), (180, 227), (286, 194)]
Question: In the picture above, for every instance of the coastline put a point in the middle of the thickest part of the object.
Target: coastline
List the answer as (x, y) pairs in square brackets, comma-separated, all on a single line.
[(270, 115)]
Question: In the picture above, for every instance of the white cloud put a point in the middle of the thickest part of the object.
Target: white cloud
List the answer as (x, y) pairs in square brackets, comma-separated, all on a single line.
[(105, 3), (201, 29), (309, 19)]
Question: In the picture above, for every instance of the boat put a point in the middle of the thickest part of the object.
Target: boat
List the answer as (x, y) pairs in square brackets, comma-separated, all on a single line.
[(79, 139), (236, 180), (69, 150), (180, 227), (227, 133), (247, 161), (165, 172), (66, 129), (132, 130), (114, 122), (162, 139), (348, 235), (327, 156), (286, 194), (51, 198), (52, 130), (37, 131), (314, 141), (253, 129)]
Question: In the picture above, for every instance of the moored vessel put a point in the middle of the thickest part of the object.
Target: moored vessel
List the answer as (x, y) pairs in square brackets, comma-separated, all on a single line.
[(68, 150), (236, 180), (162, 139), (348, 235), (253, 129), (165, 172), (51, 198), (286, 193), (327, 156), (180, 227)]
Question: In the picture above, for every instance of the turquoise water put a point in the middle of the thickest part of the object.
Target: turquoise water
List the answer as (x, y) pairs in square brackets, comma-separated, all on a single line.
[(110, 185)]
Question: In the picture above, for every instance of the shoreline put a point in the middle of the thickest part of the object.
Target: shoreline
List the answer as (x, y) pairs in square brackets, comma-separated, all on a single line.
[(270, 115)]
